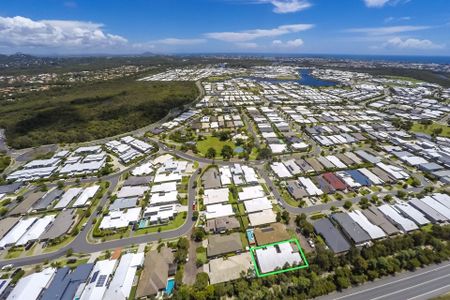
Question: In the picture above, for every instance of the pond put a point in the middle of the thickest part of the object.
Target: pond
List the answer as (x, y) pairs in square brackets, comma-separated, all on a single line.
[(305, 79)]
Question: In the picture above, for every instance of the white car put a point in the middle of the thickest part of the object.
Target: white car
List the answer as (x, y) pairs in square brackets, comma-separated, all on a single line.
[(7, 267)]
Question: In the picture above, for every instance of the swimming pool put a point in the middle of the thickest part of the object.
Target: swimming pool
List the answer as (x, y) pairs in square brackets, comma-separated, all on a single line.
[(170, 285), (250, 236)]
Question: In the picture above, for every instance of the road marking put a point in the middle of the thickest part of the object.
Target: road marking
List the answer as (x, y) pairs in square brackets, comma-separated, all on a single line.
[(411, 287), (401, 279), (445, 286)]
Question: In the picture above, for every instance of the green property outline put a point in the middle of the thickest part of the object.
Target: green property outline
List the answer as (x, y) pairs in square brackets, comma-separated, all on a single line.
[(252, 249)]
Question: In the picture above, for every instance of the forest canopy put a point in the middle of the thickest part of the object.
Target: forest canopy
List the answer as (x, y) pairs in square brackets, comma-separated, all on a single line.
[(90, 111)]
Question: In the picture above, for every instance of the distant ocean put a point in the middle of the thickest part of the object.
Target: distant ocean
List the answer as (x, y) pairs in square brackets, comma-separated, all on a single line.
[(388, 58)]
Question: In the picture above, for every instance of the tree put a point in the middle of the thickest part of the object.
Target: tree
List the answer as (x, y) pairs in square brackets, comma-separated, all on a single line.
[(201, 281), (69, 252), (227, 152), (348, 204), (364, 203), (264, 153), (286, 217), (198, 234), (211, 153), (195, 215)]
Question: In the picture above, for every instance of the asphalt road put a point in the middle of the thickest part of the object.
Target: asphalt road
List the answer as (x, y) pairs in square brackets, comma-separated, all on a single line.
[(81, 245), (422, 284)]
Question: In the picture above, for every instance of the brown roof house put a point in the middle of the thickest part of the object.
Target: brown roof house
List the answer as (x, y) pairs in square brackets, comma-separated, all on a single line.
[(224, 244), (158, 266)]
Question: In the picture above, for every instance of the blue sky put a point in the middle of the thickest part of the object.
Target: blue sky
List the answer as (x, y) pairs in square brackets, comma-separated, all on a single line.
[(416, 27)]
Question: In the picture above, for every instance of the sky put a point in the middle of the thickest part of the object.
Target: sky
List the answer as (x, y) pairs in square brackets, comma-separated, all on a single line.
[(380, 27)]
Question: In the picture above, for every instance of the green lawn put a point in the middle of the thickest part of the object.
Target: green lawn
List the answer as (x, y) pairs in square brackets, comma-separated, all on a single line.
[(212, 142), (428, 129), (177, 222), (201, 254)]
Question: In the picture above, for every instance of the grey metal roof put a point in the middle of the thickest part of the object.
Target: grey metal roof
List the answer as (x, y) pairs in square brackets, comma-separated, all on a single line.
[(137, 180), (65, 283), (60, 226), (10, 188), (333, 237), (123, 203), (48, 198), (376, 217), (427, 210), (368, 157), (351, 228)]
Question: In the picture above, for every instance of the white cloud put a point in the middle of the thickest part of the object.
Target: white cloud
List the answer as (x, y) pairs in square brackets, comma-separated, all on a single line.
[(180, 42), (249, 35), (287, 6), (387, 30), (288, 44), (247, 45), (381, 3), (23, 32), (411, 43), (394, 19), (375, 3)]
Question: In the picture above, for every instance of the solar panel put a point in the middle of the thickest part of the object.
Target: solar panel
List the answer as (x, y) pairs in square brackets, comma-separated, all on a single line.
[(94, 277), (2, 284), (101, 280)]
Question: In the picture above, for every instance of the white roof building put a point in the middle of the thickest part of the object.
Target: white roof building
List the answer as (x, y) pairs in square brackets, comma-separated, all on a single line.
[(277, 256), (249, 174), (85, 195), (438, 206), (214, 196), (144, 169), (164, 198), (160, 213), (401, 222), (348, 179), (442, 198), (31, 286), (132, 191), (266, 216), (412, 213), (257, 204), (280, 170), (372, 230), (96, 284), (251, 192), (67, 197), (336, 161), (225, 175), (214, 211), (35, 231), (122, 282), (17, 232), (372, 177), (310, 187), (164, 187), (278, 148), (396, 172), (120, 218)]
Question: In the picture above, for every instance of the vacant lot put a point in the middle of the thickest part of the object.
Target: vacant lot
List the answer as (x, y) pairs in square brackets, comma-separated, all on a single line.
[(90, 111), (213, 142), (429, 129)]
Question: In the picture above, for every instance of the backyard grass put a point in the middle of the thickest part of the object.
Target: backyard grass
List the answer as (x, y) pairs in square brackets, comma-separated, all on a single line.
[(428, 129), (212, 142), (244, 239), (177, 222), (201, 255)]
